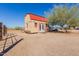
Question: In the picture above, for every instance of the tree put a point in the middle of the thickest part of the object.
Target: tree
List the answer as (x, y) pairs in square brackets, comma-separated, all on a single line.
[(18, 28), (62, 15)]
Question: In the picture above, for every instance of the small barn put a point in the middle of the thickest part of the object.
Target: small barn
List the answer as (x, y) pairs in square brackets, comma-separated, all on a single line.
[(35, 23)]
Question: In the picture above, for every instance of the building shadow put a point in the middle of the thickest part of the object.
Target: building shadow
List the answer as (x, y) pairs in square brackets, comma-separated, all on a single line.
[(10, 47)]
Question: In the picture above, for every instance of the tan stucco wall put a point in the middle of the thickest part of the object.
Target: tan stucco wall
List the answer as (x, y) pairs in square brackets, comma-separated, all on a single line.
[(31, 24), (26, 20)]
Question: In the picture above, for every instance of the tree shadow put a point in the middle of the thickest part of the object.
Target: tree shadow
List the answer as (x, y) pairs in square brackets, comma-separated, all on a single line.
[(59, 32)]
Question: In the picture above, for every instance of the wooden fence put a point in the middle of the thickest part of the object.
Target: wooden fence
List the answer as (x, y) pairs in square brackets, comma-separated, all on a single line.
[(3, 30), (0, 31)]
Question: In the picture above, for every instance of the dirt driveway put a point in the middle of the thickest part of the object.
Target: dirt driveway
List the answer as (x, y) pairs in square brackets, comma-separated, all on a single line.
[(46, 44)]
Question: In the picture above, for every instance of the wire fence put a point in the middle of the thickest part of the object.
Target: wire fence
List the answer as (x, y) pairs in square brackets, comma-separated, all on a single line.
[(7, 40)]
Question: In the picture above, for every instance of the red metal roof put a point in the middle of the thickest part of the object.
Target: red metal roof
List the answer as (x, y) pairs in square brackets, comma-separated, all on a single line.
[(38, 18)]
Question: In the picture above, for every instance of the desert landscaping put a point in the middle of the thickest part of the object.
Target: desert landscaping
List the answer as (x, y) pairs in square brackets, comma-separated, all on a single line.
[(55, 33), (45, 44)]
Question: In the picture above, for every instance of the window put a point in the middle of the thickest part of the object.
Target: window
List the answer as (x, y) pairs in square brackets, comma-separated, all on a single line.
[(35, 24), (40, 27)]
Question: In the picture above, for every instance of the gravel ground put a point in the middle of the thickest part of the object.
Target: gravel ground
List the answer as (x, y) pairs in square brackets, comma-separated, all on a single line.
[(46, 44)]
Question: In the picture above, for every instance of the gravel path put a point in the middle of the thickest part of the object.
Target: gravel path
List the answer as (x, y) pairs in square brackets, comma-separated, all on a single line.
[(46, 44)]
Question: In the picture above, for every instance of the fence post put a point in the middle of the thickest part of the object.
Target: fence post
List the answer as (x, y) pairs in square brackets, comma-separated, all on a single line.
[(0, 31), (11, 38)]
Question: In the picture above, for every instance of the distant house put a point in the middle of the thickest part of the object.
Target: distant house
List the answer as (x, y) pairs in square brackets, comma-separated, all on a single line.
[(35, 23)]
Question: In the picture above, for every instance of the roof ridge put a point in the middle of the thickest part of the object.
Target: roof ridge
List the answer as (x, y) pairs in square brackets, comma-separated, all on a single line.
[(37, 15)]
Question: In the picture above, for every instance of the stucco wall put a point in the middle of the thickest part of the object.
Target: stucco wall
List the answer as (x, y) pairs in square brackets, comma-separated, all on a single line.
[(26, 20)]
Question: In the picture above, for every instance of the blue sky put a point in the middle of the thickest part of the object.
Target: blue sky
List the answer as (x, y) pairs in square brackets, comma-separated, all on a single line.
[(12, 14)]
